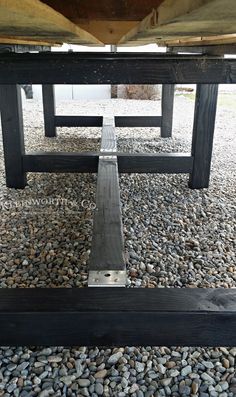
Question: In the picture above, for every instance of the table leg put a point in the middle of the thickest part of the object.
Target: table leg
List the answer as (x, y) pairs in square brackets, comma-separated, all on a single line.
[(49, 110), (167, 105), (13, 135), (203, 132)]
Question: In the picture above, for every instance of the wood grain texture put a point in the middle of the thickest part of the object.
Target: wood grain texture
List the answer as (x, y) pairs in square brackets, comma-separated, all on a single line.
[(163, 163), (167, 106), (104, 68), (127, 22), (212, 40), (203, 133), (127, 162), (112, 10), (61, 162), (49, 110), (107, 249), (107, 31), (118, 316), (78, 121), (13, 135), (138, 121), (26, 41), (35, 20), (96, 121), (184, 19)]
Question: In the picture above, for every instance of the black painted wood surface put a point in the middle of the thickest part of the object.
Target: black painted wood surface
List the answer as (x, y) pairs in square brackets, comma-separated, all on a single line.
[(13, 135), (111, 68), (203, 133), (118, 316), (167, 106), (138, 121), (170, 163), (96, 121), (49, 110), (107, 249), (78, 121)]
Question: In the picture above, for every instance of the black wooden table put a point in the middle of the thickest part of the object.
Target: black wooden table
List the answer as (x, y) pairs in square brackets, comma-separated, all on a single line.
[(99, 315)]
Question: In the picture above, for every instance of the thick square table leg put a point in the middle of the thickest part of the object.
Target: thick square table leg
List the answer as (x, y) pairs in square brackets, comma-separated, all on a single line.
[(167, 105), (13, 135), (203, 132), (49, 110)]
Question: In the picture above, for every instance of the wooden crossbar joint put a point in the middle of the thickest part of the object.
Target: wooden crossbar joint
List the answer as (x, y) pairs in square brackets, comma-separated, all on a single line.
[(107, 263)]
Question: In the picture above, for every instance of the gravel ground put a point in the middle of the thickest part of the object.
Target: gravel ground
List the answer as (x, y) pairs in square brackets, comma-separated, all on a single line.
[(174, 237)]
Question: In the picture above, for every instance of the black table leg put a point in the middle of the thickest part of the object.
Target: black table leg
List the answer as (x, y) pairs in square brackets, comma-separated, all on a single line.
[(13, 135), (203, 132), (167, 105), (49, 110)]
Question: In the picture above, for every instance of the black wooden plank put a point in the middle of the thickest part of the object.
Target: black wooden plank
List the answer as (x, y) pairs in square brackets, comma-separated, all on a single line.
[(203, 132), (116, 317), (107, 250), (49, 110), (114, 68), (169, 163), (61, 162), (78, 121), (96, 121), (13, 135), (164, 163), (137, 121), (167, 106)]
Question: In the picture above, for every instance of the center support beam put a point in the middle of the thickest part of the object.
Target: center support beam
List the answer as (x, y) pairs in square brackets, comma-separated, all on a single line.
[(107, 261)]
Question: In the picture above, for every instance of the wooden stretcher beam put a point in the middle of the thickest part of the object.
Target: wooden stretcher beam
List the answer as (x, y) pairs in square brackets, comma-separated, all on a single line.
[(117, 316)]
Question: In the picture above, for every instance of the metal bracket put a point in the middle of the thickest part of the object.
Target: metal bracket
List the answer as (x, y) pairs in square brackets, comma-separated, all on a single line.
[(107, 278)]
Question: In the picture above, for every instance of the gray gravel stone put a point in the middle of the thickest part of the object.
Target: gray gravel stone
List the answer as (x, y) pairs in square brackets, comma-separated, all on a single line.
[(99, 389), (139, 366), (114, 358), (186, 370), (206, 377), (161, 369), (173, 373), (84, 382), (166, 381)]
